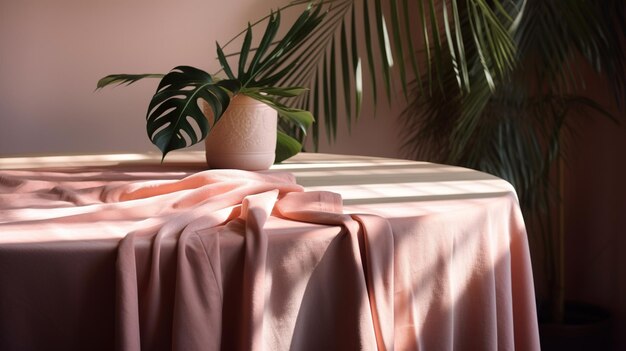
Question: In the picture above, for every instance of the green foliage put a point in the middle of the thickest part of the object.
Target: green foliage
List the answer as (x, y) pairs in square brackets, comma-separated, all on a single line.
[(321, 53), (175, 118), (356, 37), (174, 107), (514, 124)]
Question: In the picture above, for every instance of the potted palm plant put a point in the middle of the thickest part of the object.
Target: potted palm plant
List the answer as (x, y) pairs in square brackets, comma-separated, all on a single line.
[(516, 127), (189, 102)]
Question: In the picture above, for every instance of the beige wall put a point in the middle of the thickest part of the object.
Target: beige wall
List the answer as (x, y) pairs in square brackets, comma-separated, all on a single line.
[(53, 53)]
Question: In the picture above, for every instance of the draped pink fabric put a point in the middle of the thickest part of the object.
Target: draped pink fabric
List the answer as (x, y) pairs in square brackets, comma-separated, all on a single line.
[(195, 240), (137, 259)]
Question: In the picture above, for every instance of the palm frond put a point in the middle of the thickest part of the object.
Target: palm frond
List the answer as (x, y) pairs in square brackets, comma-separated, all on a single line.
[(536, 94), (399, 47), (354, 37), (125, 79), (513, 119)]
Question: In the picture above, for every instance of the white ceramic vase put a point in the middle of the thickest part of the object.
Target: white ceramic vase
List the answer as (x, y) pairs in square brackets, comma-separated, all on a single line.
[(244, 137)]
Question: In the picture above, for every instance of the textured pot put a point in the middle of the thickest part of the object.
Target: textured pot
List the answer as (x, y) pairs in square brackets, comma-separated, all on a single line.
[(244, 137)]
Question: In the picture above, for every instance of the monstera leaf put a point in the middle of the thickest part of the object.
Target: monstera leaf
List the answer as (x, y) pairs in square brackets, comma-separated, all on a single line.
[(175, 119)]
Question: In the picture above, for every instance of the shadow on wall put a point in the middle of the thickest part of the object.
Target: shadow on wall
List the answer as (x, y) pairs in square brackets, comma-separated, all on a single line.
[(595, 204)]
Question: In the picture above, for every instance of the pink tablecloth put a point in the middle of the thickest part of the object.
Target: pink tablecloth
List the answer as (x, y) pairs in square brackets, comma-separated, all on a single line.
[(141, 256)]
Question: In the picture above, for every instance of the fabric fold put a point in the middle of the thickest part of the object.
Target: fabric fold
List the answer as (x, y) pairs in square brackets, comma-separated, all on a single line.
[(255, 211), (183, 246), (372, 242)]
